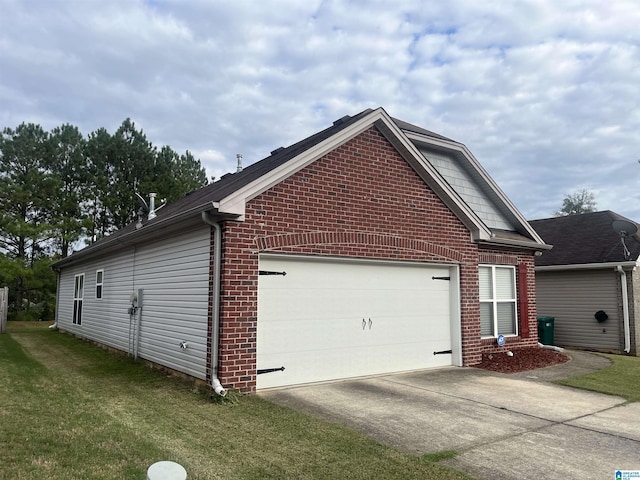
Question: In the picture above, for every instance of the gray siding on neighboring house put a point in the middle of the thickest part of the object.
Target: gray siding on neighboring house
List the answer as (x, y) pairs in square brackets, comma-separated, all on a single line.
[(174, 275), (633, 278), (468, 189), (573, 297)]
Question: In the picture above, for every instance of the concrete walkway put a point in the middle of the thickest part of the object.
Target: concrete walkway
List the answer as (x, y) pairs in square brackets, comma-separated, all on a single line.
[(515, 426)]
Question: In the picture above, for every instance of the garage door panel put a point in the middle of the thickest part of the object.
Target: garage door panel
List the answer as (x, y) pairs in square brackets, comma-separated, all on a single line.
[(309, 301), (278, 336), (331, 319)]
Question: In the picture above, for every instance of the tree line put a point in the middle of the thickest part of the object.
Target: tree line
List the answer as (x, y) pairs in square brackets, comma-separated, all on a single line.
[(60, 190)]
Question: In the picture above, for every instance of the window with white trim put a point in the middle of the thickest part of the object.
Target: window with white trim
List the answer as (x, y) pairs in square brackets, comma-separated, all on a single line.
[(498, 301), (78, 294), (99, 283)]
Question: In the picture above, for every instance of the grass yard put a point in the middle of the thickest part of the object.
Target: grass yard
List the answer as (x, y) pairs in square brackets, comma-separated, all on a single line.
[(70, 410), (622, 378)]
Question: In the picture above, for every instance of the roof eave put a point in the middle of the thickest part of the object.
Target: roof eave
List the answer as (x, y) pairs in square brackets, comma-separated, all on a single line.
[(589, 266), (150, 231), (500, 242)]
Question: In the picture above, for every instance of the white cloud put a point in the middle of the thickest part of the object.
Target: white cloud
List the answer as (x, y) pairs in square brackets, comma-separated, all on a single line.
[(543, 92)]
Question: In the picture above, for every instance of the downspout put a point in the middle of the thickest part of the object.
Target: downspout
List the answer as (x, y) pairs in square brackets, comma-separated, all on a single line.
[(217, 272), (625, 309)]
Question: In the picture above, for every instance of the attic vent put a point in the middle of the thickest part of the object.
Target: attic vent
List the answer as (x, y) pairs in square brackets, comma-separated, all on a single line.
[(226, 175), (277, 150), (340, 121)]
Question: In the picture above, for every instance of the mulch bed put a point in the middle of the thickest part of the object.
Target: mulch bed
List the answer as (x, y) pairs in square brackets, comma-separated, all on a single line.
[(523, 359)]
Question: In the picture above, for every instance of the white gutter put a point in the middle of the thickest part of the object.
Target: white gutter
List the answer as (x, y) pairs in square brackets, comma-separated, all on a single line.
[(625, 309), (584, 266), (217, 258), (152, 228)]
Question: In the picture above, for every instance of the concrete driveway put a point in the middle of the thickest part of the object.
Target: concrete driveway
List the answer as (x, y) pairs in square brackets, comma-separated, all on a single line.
[(502, 426)]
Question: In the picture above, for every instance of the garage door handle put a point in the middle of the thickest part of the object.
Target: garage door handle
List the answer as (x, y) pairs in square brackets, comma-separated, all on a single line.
[(364, 324), (370, 323)]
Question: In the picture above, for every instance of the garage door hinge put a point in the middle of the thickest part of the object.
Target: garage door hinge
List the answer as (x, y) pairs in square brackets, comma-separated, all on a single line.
[(443, 352), (269, 370), (440, 278), (267, 272)]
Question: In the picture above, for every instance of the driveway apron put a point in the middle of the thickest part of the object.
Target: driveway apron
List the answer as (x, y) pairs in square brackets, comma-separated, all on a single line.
[(502, 427)]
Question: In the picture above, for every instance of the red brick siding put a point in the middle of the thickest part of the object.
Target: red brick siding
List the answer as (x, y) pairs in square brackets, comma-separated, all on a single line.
[(361, 200)]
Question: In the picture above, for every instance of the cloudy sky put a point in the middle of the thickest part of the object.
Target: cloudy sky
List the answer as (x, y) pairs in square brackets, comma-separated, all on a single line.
[(545, 93)]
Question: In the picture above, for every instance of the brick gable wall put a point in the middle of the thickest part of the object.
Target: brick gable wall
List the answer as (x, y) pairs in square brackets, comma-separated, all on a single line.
[(360, 200)]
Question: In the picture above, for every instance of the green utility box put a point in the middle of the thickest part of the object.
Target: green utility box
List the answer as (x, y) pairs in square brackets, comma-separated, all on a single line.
[(545, 330)]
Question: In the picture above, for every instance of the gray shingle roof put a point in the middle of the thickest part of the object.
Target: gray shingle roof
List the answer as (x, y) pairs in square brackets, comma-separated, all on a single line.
[(584, 239), (190, 206), (201, 199)]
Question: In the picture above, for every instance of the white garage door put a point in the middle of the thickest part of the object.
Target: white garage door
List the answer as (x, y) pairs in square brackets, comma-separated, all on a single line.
[(329, 319)]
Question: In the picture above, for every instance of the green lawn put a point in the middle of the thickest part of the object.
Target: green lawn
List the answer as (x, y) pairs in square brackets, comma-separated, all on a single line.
[(622, 378), (70, 410)]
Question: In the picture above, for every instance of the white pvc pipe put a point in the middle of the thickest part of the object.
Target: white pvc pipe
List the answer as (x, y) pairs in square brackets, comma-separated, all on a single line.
[(625, 309), (217, 387)]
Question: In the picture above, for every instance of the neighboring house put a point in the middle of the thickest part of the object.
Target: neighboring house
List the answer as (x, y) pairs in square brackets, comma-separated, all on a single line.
[(589, 272), (400, 253)]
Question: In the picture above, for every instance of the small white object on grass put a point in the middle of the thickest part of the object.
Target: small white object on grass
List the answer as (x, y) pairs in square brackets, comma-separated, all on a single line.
[(166, 470)]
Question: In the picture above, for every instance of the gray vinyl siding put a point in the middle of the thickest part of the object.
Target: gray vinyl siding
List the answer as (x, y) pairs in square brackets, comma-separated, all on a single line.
[(174, 276), (106, 320), (468, 189), (175, 279), (573, 298)]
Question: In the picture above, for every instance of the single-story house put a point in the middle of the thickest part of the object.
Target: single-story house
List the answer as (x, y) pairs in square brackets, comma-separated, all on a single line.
[(370, 247), (589, 282)]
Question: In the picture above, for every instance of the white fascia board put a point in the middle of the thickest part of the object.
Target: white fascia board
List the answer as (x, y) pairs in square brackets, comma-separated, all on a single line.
[(490, 182), (588, 266), (236, 202)]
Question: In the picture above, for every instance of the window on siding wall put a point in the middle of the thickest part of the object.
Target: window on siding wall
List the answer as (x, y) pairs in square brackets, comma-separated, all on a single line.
[(498, 313), (99, 283), (78, 294)]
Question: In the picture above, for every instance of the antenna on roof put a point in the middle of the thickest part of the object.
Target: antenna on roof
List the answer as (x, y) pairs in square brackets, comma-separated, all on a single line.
[(624, 228)]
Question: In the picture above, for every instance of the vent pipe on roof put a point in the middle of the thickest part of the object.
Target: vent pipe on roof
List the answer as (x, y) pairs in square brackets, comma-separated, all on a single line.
[(152, 206), (239, 157)]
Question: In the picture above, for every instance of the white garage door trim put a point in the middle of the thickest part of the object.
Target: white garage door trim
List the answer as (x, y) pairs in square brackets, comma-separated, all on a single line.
[(330, 318)]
